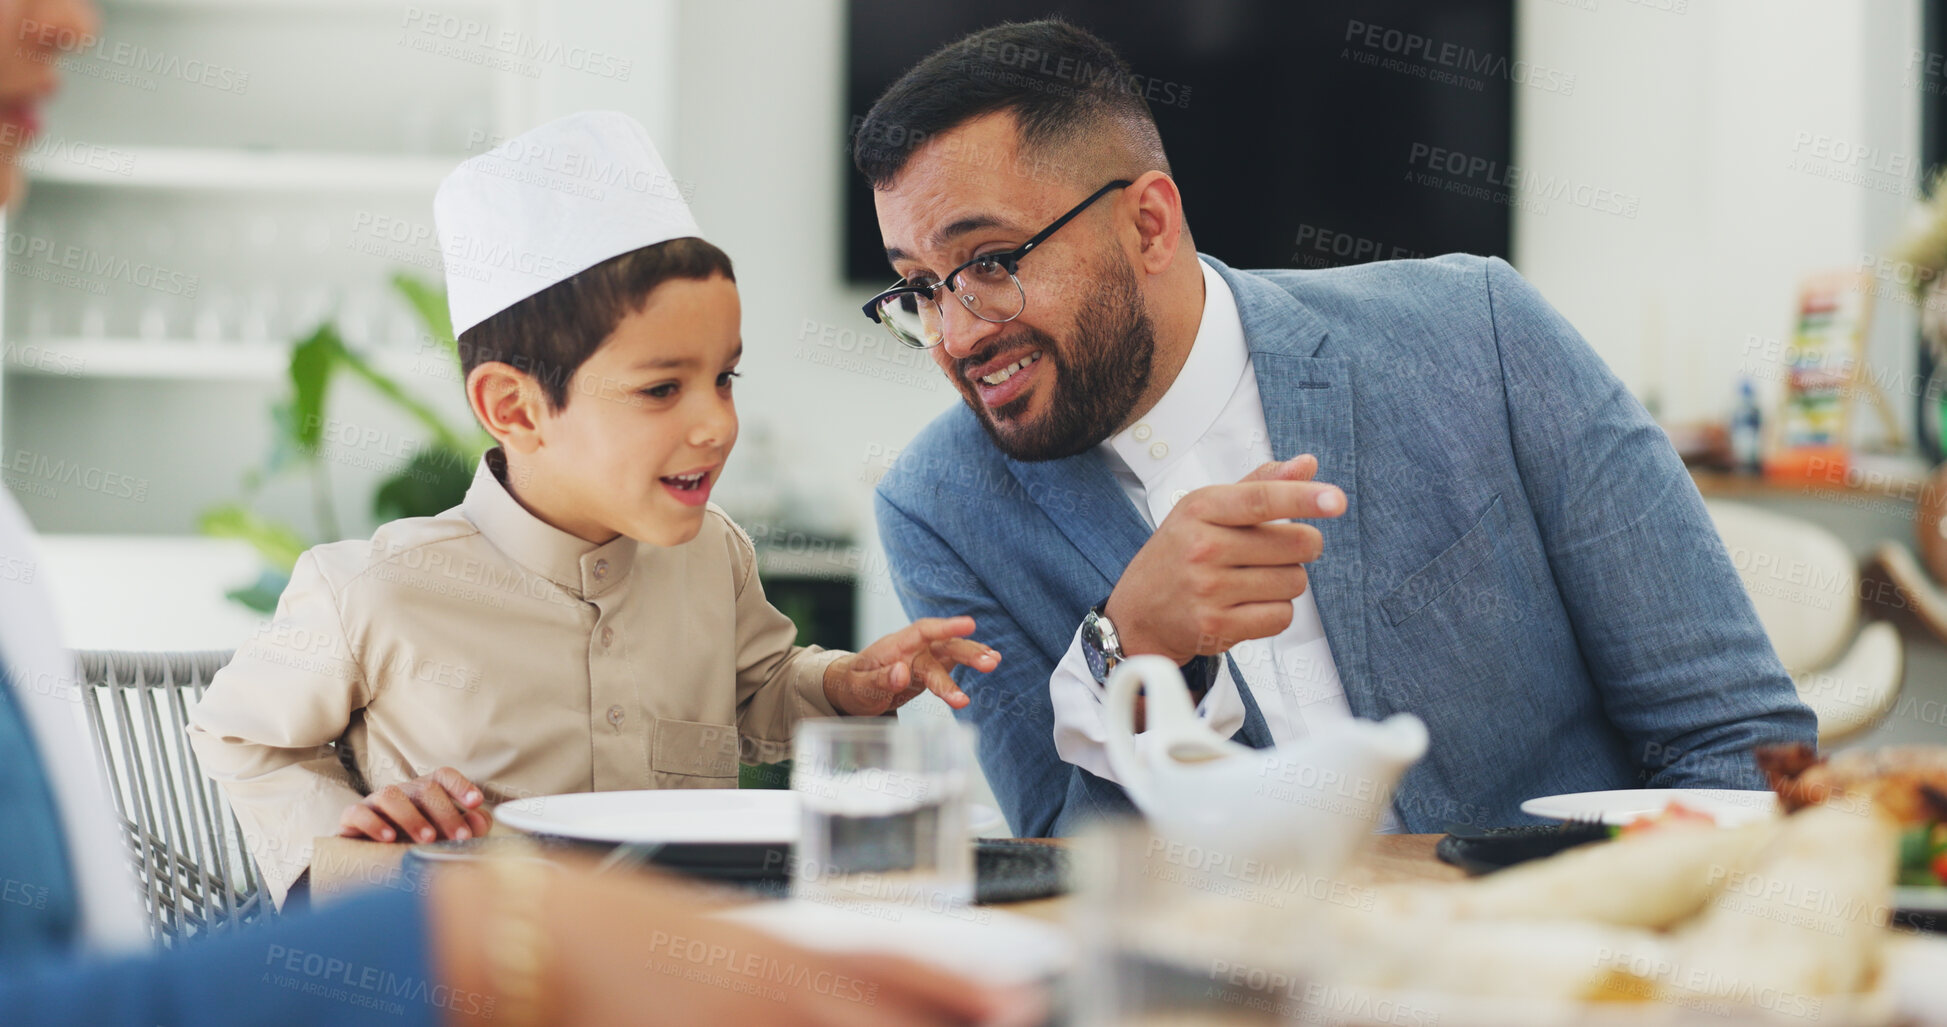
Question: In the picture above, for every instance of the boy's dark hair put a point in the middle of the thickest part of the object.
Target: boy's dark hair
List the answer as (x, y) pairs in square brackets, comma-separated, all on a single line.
[(1062, 84), (550, 334)]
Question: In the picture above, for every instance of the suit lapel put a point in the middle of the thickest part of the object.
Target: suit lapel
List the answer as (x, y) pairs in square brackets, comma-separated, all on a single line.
[(1308, 408), (1082, 497)]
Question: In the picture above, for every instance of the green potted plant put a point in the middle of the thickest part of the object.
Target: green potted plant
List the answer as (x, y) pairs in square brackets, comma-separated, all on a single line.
[(434, 479)]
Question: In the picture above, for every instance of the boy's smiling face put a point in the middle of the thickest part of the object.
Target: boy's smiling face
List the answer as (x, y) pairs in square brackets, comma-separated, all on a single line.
[(647, 427)]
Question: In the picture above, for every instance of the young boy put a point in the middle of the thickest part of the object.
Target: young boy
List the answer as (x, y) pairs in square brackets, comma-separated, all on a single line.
[(585, 620)]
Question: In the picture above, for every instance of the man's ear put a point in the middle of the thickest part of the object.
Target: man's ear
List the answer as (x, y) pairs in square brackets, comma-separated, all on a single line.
[(509, 403), (1159, 221)]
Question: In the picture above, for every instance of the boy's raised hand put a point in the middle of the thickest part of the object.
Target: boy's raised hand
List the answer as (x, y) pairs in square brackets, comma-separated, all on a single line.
[(916, 658), (442, 804)]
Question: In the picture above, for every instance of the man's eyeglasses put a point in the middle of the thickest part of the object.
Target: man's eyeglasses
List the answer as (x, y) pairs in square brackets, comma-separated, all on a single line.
[(985, 285)]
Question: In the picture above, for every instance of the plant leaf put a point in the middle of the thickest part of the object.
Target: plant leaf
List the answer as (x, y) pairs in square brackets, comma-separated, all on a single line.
[(278, 543), (287, 449), (312, 361), (434, 480), (262, 594), (443, 435), (429, 302)]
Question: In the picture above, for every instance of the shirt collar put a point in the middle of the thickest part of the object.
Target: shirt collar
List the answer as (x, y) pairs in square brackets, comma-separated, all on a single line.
[(576, 564), (1217, 361)]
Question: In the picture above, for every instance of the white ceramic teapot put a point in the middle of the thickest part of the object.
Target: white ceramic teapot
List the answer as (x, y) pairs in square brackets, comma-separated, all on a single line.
[(1309, 803)]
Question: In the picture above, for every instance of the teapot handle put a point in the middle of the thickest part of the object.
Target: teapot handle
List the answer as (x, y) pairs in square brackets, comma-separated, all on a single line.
[(1169, 703)]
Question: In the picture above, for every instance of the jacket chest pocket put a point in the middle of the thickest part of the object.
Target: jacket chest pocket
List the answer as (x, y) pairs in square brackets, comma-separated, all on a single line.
[(694, 749), (1443, 572)]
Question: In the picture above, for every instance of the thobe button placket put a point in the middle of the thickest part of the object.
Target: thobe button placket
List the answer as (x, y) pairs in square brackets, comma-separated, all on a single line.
[(608, 636)]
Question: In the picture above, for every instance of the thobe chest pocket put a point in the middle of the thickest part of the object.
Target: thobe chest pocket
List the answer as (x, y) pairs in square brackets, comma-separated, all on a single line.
[(693, 748)]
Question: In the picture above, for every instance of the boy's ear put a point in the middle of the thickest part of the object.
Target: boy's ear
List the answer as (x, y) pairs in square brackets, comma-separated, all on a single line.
[(508, 403)]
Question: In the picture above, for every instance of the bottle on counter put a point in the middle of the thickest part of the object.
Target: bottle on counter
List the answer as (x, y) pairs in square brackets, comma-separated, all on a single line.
[(1747, 421)]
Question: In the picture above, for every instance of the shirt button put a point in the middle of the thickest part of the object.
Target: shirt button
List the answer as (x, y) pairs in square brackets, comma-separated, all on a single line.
[(608, 637), (601, 568), (615, 715), (1141, 432), (1159, 450), (1177, 496)]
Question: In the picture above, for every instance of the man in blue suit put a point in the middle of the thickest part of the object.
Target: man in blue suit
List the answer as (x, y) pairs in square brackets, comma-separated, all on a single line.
[(1407, 486)]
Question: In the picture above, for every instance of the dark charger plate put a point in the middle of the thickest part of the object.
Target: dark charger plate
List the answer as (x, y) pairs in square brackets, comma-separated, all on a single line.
[(1005, 870), (1485, 850)]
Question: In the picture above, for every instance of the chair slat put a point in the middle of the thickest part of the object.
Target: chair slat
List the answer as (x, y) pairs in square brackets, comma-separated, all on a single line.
[(195, 868)]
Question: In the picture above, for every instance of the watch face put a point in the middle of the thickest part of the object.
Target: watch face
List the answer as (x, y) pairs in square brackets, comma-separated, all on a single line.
[(1096, 648), (1098, 664)]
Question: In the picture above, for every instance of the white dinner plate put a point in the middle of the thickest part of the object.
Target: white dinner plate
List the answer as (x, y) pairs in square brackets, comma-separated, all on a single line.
[(679, 816), (1729, 806), (675, 816)]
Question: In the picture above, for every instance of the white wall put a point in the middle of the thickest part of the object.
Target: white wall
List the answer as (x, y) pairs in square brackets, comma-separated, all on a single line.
[(761, 134), (1702, 113)]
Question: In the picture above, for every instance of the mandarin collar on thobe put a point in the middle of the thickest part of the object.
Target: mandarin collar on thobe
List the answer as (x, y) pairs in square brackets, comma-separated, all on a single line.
[(581, 567)]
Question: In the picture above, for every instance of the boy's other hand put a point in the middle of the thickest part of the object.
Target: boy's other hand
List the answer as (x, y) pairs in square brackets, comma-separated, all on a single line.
[(442, 804), (917, 658)]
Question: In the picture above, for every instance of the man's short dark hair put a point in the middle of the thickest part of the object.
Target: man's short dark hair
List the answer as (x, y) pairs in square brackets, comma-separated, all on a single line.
[(1061, 83), (550, 334)]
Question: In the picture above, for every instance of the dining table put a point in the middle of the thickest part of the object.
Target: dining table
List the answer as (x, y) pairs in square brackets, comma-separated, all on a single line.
[(341, 866)]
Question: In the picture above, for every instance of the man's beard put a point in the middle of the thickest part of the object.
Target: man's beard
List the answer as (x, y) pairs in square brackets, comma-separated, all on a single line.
[(1099, 375)]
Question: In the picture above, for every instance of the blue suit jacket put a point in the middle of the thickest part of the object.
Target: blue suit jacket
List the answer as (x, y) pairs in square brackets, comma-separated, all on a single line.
[(1523, 563), (364, 962)]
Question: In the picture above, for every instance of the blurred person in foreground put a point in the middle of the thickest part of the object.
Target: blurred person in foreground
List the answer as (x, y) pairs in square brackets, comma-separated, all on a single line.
[(516, 943)]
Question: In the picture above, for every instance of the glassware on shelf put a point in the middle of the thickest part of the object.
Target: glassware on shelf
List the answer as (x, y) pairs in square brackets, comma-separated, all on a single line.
[(360, 317), (153, 324), (94, 318), (215, 314), (259, 323)]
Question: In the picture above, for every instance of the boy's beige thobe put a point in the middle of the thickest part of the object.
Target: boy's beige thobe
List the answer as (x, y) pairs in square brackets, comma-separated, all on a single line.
[(532, 661)]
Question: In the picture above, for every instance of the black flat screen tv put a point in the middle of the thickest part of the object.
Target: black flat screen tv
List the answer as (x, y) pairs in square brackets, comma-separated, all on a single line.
[(1304, 133)]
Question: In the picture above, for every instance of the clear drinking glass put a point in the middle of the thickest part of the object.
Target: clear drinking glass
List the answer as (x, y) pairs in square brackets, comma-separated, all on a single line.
[(885, 812), (1171, 934)]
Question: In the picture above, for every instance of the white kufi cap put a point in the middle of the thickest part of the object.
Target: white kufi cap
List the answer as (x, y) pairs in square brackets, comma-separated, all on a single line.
[(547, 205)]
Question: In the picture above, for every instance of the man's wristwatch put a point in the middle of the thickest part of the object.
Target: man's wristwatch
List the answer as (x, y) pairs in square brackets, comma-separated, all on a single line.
[(1100, 644), (1103, 650)]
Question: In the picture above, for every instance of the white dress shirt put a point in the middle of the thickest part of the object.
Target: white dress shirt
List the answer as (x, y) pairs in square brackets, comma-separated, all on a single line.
[(1188, 441), (47, 687)]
